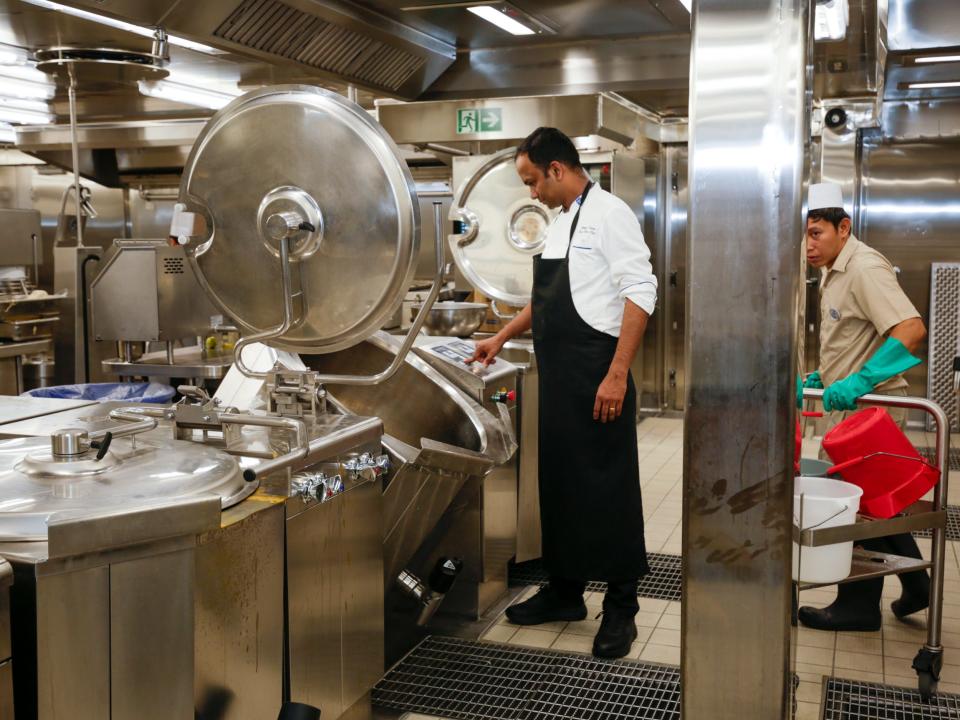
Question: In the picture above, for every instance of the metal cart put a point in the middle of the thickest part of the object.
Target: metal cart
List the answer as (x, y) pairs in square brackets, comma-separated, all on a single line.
[(919, 516)]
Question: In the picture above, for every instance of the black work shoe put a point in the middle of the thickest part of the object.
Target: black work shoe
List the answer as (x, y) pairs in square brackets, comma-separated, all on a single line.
[(615, 636), (547, 606), (909, 604), (840, 619)]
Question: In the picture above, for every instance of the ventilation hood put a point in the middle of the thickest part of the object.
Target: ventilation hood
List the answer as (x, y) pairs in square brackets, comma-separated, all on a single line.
[(333, 39)]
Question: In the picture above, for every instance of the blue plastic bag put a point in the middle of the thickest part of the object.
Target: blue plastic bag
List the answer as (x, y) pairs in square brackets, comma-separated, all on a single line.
[(105, 392)]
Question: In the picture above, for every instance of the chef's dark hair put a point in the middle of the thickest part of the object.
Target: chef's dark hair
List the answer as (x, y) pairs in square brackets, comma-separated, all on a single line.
[(546, 144), (834, 216)]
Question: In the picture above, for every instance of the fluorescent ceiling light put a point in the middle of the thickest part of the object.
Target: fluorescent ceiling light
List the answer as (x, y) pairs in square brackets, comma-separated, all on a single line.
[(831, 19), (140, 30), (933, 85), (183, 91), (687, 4), (501, 20), (937, 59)]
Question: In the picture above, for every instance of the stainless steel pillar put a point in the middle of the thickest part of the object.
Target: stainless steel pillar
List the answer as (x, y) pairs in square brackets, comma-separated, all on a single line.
[(748, 127)]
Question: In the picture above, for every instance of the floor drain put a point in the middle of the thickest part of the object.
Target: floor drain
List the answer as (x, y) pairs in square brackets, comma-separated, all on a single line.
[(854, 700), (468, 680), (662, 583)]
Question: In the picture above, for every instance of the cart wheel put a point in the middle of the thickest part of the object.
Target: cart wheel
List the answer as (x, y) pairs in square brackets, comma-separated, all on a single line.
[(927, 684), (928, 663)]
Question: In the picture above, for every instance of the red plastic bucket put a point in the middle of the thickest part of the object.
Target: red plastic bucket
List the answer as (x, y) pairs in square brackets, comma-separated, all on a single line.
[(870, 451)]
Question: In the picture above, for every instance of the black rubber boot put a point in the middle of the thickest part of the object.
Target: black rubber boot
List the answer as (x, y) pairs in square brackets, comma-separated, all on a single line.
[(615, 636), (915, 595), (548, 605), (856, 609)]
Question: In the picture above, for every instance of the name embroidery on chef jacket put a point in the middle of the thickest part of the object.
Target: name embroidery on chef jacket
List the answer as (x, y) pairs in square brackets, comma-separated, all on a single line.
[(584, 237)]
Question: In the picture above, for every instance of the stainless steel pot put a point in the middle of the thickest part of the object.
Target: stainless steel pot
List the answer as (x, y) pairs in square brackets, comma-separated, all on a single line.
[(454, 319)]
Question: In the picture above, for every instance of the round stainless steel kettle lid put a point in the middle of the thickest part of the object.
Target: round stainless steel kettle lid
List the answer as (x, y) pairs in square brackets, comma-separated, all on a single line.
[(302, 161), (502, 229), (37, 486)]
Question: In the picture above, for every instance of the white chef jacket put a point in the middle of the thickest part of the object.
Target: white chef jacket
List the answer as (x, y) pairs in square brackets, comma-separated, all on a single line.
[(609, 260)]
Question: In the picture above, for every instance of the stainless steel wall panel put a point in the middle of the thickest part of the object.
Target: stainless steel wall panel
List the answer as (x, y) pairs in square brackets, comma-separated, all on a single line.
[(238, 618), (362, 592), (944, 340), (923, 24), (673, 280), (910, 213), (315, 550), (151, 638), (746, 177), (920, 120), (73, 645)]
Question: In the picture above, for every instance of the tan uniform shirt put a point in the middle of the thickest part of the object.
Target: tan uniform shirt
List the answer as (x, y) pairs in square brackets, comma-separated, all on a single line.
[(860, 302)]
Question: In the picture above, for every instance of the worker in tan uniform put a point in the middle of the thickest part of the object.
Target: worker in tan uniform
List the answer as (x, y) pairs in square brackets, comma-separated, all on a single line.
[(869, 332)]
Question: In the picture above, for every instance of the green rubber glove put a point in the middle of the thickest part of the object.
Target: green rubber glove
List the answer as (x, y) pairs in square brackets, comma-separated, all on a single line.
[(814, 381), (890, 360), (799, 393)]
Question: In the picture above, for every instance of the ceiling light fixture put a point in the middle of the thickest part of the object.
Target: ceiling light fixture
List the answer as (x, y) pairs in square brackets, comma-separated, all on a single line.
[(688, 4), (187, 92), (831, 18), (141, 30), (937, 59), (933, 85), (501, 19)]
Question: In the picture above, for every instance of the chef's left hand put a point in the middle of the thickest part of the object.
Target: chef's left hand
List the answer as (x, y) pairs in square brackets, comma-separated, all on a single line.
[(609, 403)]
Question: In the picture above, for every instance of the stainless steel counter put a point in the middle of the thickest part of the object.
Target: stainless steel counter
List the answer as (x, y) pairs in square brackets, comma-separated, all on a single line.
[(15, 409)]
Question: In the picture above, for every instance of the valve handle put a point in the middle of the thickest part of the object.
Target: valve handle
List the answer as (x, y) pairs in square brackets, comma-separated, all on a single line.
[(102, 446)]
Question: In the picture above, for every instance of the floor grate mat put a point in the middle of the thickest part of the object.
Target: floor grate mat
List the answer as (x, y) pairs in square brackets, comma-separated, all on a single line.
[(662, 583), (854, 700), (953, 525), (468, 680), (929, 454)]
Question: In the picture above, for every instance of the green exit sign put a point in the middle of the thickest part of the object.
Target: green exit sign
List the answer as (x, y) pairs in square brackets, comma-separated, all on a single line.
[(479, 120)]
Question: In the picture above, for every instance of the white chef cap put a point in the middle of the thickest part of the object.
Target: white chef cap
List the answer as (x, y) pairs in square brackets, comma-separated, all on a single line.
[(824, 195)]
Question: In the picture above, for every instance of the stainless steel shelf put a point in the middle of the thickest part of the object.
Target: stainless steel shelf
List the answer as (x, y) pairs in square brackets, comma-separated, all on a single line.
[(918, 516), (867, 564), (29, 347), (188, 363)]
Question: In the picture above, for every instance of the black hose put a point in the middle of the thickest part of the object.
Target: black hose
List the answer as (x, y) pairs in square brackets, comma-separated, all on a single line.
[(83, 297)]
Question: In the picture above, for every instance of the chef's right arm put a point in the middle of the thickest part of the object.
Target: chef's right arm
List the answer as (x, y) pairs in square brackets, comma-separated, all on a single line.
[(486, 350)]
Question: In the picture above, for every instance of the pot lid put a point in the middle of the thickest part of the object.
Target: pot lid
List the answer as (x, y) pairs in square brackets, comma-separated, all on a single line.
[(503, 228), (37, 487), (302, 161)]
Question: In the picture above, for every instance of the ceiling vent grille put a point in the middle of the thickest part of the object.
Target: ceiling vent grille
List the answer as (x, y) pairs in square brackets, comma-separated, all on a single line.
[(278, 29)]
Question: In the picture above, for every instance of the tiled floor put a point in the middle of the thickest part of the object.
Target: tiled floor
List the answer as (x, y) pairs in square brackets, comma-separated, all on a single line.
[(884, 656)]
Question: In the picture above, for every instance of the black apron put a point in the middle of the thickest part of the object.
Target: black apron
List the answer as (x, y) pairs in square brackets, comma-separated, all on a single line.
[(590, 508)]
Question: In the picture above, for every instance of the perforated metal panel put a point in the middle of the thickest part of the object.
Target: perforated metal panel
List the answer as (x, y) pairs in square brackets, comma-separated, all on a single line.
[(851, 700), (944, 338)]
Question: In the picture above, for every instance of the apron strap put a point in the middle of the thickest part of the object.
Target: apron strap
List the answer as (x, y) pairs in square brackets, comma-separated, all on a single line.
[(576, 218)]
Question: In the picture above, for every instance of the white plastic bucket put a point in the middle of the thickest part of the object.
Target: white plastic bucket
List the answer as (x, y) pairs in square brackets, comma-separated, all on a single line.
[(825, 503)]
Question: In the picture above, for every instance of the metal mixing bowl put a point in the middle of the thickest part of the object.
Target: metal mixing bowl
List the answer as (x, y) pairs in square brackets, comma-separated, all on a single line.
[(454, 319)]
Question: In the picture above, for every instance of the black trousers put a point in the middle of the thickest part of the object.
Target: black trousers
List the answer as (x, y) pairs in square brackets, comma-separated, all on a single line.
[(916, 583), (621, 596)]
